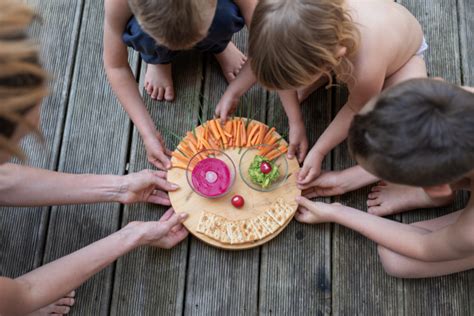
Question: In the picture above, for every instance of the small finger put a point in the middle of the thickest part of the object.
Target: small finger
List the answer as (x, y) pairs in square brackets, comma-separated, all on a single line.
[(302, 201), (291, 151), (310, 176)]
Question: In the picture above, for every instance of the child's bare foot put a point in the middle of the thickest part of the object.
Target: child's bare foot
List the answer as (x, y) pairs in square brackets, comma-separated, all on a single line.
[(60, 307), (159, 82), (388, 199), (305, 92), (231, 61)]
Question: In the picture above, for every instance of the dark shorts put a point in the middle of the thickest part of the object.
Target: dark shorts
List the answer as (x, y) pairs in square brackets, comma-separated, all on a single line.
[(226, 22)]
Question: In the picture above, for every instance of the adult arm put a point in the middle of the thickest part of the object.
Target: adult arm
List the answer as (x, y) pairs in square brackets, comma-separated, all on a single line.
[(26, 186), (48, 283)]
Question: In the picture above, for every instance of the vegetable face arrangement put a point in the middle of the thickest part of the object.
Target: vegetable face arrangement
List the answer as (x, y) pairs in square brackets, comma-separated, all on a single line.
[(236, 133)]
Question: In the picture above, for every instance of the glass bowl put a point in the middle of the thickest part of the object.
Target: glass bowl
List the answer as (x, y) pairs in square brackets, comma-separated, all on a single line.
[(248, 157), (211, 173)]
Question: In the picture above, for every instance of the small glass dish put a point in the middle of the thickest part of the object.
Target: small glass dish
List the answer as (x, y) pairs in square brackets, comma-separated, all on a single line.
[(211, 173), (280, 162)]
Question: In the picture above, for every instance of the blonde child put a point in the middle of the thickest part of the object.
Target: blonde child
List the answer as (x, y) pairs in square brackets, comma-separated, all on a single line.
[(418, 134), (369, 45), (158, 29)]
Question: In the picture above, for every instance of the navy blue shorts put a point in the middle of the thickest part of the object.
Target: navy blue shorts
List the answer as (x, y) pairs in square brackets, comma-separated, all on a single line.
[(226, 22)]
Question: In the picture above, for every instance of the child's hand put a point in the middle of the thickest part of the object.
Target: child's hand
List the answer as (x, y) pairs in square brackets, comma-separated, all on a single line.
[(315, 212), (226, 106), (298, 143), (327, 184), (157, 153), (145, 186), (166, 233), (311, 167)]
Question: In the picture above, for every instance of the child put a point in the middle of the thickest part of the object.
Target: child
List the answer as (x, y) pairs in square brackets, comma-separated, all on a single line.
[(369, 45), (158, 29), (419, 133)]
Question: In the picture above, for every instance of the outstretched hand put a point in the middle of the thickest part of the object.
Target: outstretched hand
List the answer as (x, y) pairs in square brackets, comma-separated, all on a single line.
[(298, 146), (314, 212), (226, 106), (157, 153), (146, 186), (165, 233), (327, 184), (311, 167)]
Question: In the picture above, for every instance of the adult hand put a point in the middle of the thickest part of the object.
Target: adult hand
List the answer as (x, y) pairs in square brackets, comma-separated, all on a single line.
[(298, 143), (157, 153), (146, 186), (165, 233)]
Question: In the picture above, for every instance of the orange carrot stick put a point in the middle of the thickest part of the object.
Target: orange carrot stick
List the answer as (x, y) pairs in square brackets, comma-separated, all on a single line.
[(243, 133), (238, 140), (261, 134), (221, 132), (268, 135), (214, 130), (267, 149), (253, 130)]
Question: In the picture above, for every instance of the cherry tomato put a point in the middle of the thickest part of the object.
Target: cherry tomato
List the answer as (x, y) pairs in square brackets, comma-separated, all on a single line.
[(265, 167), (237, 201)]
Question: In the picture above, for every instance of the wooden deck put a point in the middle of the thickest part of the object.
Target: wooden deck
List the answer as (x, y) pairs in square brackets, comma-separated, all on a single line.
[(307, 270)]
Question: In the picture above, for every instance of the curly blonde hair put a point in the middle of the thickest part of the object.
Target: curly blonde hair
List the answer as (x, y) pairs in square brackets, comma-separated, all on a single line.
[(22, 79), (176, 24), (292, 42)]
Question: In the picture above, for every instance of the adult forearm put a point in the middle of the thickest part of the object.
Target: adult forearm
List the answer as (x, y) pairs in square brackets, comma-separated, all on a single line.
[(51, 281), (26, 186)]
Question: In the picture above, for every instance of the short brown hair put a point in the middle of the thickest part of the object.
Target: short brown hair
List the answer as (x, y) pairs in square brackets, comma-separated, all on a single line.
[(22, 79), (176, 24), (420, 133), (291, 42)]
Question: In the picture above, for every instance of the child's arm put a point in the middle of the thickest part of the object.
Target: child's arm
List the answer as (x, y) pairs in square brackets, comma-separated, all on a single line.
[(247, 7), (46, 284), (25, 186), (298, 141), (117, 14), (450, 243), (359, 94)]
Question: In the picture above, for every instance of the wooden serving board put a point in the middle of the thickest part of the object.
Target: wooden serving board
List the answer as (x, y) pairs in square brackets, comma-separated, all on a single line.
[(256, 202)]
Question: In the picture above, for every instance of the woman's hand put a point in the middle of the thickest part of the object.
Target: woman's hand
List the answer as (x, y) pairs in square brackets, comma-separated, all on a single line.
[(165, 233), (146, 186)]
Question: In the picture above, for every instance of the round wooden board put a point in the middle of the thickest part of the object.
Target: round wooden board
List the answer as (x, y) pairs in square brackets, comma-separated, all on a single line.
[(256, 203)]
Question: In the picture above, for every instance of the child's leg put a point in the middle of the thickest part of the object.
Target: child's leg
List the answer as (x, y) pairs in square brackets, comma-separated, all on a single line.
[(388, 199), (158, 78), (392, 199), (226, 22), (405, 267)]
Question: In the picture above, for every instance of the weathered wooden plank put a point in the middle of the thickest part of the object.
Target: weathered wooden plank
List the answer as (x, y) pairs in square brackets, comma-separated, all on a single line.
[(360, 286), (295, 272), (96, 140), (223, 282), (466, 23), (152, 281), (22, 231), (447, 295)]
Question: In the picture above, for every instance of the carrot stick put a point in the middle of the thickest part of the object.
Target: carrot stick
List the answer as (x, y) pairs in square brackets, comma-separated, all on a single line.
[(267, 149), (273, 155), (228, 127), (238, 140), (214, 130), (180, 165), (243, 133), (261, 134), (268, 135), (221, 132), (253, 130), (179, 157)]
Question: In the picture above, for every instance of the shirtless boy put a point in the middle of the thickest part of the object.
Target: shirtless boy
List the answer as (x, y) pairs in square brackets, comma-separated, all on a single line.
[(417, 134)]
